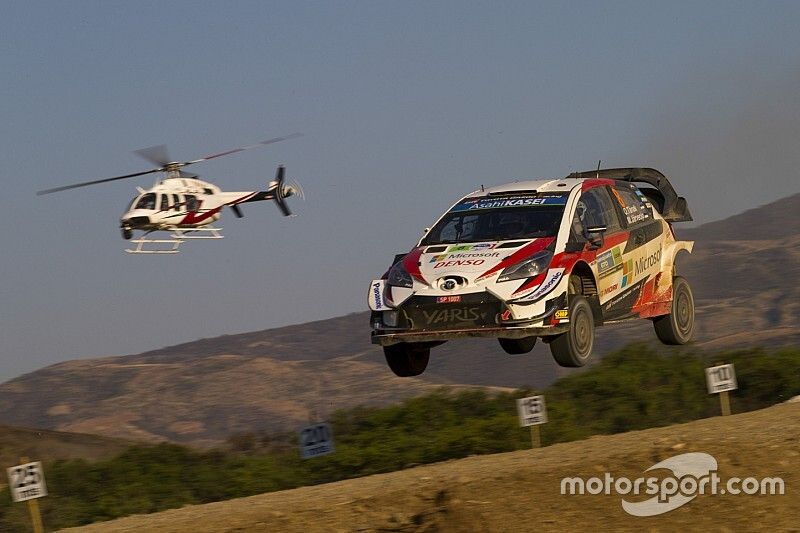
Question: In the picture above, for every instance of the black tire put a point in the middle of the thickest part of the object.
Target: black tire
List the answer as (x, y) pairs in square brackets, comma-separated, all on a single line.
[(407, 359), (677, 327), (518, 346), (574, 348)]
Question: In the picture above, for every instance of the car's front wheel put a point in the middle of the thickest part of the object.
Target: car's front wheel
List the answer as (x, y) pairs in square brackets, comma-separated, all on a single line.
[(678, 326), (574, 348), (518, 346), (407, 359)]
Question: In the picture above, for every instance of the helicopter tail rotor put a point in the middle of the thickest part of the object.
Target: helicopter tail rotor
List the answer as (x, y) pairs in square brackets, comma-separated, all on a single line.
[(284, 189)]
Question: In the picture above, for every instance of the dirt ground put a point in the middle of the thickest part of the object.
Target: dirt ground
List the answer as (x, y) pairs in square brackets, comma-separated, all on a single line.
[(520, 491)]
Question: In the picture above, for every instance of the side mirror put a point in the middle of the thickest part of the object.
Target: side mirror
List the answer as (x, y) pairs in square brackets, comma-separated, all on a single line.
[(595, 236)]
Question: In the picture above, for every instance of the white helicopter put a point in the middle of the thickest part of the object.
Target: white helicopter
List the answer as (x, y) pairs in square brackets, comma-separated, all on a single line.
[(184, 205)]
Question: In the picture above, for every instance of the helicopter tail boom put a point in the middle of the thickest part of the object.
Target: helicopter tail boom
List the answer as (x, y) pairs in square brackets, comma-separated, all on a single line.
[(278, 191)]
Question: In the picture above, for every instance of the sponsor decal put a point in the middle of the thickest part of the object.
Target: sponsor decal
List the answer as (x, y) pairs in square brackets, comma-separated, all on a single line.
[(462, 314), (471, 247), (444, 257), (562, 314), (459, 262), (448, 299), (646, 263), (609, 289), (376, 296), (550, 282), (513, 201), (609, 262), (627, 273), (644, 199), (616, 300)]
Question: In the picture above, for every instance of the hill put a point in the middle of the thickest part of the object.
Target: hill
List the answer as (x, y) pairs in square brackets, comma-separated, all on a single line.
[(200, 400), (275, 379), (521, 491), (46, 446)]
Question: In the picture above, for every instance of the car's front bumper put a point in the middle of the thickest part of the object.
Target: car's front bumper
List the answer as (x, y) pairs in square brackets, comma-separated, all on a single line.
[(425, 319), (386, 338)]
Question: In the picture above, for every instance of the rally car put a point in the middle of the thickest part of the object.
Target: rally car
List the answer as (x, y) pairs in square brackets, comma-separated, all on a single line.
[(549, 259)]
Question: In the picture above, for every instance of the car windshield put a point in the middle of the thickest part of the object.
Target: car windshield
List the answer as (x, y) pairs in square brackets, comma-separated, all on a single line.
[(496, 223)]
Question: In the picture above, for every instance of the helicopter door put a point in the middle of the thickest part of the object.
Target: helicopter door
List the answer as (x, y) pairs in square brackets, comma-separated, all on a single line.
[(191, 203), (164, 202), (176, 200), (147, 201)]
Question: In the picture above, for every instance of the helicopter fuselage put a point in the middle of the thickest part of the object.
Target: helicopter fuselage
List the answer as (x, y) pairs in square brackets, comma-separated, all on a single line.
[(182, 203)]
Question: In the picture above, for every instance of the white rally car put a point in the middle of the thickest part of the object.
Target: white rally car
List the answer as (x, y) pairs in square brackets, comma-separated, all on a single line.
[(549, 258)]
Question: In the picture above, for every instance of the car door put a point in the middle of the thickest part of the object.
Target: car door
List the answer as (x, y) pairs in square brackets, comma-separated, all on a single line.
[(596, 207)]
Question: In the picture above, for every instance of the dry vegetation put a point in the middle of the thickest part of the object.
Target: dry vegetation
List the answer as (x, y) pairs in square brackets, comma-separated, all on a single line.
[(520, 491)]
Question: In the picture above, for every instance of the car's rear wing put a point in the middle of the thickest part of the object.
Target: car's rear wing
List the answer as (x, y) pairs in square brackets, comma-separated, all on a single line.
[(671, 206)]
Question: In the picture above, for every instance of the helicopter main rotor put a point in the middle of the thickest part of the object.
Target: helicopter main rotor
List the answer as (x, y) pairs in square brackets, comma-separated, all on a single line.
[(158, 155)]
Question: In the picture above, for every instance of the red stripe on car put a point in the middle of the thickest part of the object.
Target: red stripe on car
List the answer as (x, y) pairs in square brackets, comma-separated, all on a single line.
[(411, 264), (523, 253)]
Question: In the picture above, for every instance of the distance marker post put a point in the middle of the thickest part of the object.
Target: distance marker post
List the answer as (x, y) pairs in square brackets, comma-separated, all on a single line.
[(532, 412), (720, 380), (26, 482)]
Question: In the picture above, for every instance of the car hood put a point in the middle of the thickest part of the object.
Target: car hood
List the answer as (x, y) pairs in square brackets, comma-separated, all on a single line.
[(477, 262)]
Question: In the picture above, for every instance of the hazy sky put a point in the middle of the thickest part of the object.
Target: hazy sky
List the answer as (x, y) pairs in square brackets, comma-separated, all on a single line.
[(404, 105)]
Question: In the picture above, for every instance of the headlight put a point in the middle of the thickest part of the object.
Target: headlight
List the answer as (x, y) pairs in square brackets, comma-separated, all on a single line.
[(528, 268), (399, 277)]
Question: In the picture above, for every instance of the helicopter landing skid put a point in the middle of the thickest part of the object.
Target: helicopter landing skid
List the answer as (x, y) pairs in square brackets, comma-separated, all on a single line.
[(177, 237), (142, 242), (207, 232)]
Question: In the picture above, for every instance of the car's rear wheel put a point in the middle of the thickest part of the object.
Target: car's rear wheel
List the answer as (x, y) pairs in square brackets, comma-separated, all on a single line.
[(518, 346), (678, 326), (407, 359), (574, 348)]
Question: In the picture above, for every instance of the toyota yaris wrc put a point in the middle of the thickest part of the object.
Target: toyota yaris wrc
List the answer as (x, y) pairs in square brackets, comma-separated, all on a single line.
[(549, 259)]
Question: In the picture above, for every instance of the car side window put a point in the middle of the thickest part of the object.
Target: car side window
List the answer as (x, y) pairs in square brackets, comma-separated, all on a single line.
[(636, 209), (595, 208)]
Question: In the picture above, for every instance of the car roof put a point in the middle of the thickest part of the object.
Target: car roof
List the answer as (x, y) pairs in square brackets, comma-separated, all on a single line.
[(551, 185)]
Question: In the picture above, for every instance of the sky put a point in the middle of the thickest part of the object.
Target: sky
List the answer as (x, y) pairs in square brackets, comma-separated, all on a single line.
[(404, 107)]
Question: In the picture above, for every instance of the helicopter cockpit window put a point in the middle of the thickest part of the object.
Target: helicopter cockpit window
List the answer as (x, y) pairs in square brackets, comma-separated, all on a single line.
[(147, 201)]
